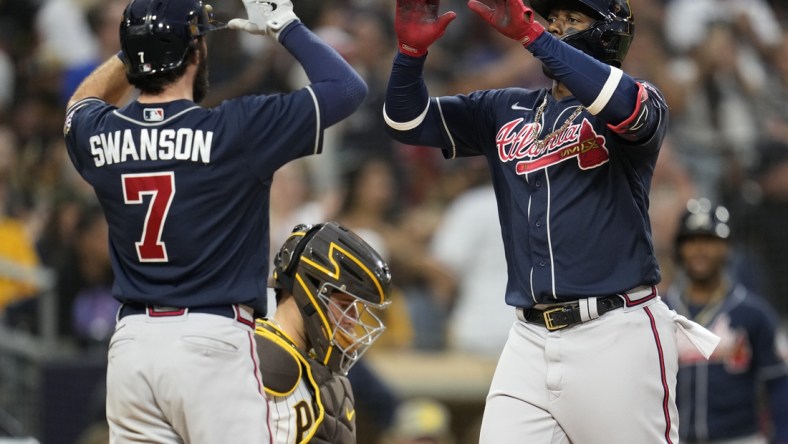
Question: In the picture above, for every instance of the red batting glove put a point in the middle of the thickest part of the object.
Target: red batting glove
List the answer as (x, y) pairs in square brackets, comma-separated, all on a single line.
[(510, 17), (418, 26)]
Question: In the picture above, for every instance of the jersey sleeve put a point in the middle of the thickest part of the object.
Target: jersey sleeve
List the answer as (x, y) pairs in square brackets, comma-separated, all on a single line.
[(769, 345), (78, 117), (455, 124), (276, 129), (633, 109)]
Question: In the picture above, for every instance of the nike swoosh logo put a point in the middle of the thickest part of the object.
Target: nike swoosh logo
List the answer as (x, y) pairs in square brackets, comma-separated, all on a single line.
[(517, 106), (350, 413)]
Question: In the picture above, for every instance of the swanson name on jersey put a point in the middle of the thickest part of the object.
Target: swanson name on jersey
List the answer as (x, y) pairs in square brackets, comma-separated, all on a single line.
[(151, 144)]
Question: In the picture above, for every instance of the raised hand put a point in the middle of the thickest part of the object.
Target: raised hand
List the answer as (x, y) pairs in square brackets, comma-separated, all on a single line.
[(418, 25), (510, 17), (265, 17)]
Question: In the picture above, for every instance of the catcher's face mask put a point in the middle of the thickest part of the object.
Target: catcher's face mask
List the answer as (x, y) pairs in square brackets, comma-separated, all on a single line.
[(356, 324)]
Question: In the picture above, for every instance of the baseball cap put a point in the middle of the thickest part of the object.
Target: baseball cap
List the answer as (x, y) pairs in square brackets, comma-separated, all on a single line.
[(422, 418)]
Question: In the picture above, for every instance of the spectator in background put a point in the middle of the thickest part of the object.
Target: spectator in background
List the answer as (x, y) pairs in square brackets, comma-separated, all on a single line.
[(671, 188), (717, 399), (687, 23), (715, 124), (475, 254), (722, 65), (59, 231), (760, 221), (291, 202), (772, 101), (66, 39), (370, 208), (102, 20), (420, 421), (86, 308), (18, 257)]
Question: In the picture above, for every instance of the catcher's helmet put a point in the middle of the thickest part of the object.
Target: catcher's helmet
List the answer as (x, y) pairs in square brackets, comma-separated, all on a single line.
[(608, 38), (317, 263), (155, 35), (702, 218)]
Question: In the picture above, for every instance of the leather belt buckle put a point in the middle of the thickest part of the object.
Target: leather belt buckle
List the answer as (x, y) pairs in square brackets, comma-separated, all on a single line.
[(552, 324)]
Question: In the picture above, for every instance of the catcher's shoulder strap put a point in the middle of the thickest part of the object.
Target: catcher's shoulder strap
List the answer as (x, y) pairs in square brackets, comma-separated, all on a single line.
[(338, 405), (279, 359)]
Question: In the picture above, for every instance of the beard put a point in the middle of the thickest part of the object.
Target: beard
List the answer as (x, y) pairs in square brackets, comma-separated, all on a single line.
[(200, 86)]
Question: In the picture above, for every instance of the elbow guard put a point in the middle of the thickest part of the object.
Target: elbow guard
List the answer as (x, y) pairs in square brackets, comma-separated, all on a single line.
[(640, 123)]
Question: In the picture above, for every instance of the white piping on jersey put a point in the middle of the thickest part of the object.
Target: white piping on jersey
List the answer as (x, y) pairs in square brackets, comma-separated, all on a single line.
[(446, 128), (317, 116), (607, 91), (137, 122), (533, 293), (549, 236), (405, 126), (82, 103)]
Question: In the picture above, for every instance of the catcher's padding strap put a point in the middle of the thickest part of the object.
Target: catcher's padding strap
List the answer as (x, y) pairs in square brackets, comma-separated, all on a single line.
[(336, 395), (283, 366), (279, 361)]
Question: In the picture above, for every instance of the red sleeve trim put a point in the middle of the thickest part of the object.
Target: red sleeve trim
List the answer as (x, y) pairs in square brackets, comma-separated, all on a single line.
[(642, 97)]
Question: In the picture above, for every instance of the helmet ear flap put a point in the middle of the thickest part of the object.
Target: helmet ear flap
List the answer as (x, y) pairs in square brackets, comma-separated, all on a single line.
[(287, 258)]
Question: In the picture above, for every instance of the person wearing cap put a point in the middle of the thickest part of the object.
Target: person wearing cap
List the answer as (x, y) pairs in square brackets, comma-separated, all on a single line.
[(420, 421), (717, 399)]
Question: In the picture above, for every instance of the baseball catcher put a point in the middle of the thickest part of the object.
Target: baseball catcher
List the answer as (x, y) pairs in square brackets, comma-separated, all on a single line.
[(330, 288)]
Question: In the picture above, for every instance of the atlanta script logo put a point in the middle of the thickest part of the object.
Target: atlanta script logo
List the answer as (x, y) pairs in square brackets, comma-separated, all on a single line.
[(578, 141)]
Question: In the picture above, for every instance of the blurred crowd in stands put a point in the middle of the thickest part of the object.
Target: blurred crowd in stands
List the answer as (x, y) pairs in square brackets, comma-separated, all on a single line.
[(722, 65)]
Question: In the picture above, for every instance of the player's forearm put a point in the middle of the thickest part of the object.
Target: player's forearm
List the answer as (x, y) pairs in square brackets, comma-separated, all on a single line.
[(107, 82), (606, 91), (340, 89), (406, 94), (407, 105)]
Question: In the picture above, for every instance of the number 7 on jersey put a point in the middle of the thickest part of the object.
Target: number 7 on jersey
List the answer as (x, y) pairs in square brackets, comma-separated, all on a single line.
[(161, 188)]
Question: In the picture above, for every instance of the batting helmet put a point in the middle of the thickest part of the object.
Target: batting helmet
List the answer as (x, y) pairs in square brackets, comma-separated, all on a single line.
[(315, 263), (702, 218), (608, 38), (155, 35)]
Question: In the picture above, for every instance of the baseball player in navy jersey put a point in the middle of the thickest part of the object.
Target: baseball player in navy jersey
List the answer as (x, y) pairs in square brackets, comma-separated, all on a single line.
[(330, 288), (592, 357), (185, 191), (718, 399)]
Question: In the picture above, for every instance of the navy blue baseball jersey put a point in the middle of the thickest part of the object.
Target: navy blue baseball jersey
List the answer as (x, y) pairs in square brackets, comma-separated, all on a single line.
[(717, 399), (180, 184), (567, 183)]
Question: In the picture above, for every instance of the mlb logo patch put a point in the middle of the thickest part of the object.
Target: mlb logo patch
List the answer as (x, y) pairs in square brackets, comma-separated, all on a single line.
[(153, 114)]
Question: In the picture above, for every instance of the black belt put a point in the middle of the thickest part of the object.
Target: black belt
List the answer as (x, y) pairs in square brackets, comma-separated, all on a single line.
[(228, 311), (567, 315)]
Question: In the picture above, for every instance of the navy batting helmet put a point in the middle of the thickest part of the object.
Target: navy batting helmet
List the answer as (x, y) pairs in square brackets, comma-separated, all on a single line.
[(608, 38), (155, 35), (314, 264), (702, 218)]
